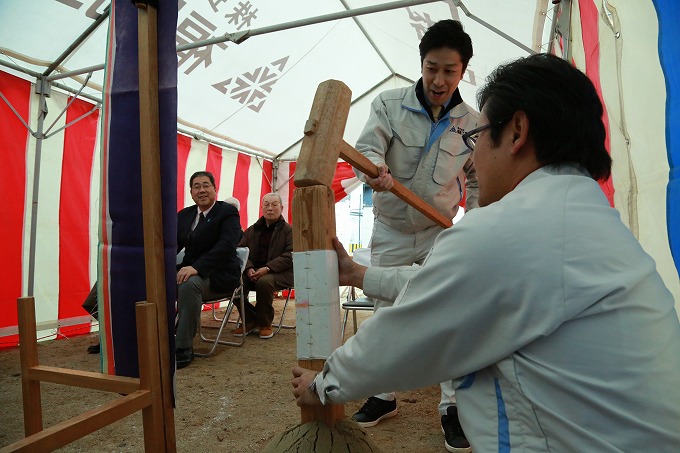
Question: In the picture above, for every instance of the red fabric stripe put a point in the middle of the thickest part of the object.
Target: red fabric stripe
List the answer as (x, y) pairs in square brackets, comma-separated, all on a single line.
[(183, 148), (343, 171), (591, 46), (291, 191), (74, 232), (241, 188), (13, 142), (214, 164), (267, 173)]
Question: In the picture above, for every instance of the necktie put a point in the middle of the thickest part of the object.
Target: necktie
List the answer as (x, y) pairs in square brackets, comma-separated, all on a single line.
[(201, 219)]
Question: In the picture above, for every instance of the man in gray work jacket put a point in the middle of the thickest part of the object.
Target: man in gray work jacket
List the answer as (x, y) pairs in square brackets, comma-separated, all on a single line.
[(413, 135)]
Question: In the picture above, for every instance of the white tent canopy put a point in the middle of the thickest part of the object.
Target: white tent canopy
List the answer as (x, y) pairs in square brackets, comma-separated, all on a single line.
[(255, 96)]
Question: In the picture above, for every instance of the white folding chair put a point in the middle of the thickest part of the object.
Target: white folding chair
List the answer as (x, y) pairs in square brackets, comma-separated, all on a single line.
[(361, 256), (242, 253)]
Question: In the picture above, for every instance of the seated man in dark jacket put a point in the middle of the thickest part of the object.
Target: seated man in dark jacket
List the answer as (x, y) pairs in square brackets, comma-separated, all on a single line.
[(209, 232), (269, 267)]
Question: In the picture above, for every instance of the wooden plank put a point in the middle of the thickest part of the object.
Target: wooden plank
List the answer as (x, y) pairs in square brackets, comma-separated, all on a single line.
[(74, 428), (150, 377), (28, 356), (364, 165), (84, 379), (151, 200)]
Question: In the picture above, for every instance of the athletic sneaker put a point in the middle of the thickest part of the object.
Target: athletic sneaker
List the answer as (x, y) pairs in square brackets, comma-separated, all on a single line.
[(374, 410), (454, 437)]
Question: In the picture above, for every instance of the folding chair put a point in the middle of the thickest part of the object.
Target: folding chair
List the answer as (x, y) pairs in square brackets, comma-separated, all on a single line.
[(354, 303), (242, 253), (280, 324)]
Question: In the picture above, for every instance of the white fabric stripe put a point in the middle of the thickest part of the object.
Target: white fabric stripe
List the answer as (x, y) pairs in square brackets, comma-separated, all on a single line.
[(196, 161), (95, 205), (637, 125), (282, 186), (227, 174), (644, 115)]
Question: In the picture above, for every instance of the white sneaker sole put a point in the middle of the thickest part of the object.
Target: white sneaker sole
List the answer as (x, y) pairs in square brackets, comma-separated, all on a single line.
[(454, 449), (376, 421)]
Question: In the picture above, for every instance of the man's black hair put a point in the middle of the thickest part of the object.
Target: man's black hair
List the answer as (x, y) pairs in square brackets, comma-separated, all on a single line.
[(447, 34), (202, 173), (563, 107)]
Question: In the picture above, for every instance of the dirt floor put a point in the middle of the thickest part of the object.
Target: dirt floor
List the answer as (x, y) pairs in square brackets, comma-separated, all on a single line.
[(234, 401)]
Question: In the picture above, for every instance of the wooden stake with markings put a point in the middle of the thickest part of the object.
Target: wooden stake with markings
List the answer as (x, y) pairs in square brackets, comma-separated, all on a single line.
[(313, 230)]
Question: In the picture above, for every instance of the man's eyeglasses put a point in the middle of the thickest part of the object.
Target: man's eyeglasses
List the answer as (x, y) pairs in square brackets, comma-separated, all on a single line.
[(205, 185), (470, 138)]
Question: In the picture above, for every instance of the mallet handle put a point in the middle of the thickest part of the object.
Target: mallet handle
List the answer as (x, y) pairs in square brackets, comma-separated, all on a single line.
[(364, 165)]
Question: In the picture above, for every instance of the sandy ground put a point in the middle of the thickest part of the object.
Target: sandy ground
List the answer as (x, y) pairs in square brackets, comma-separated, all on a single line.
[(234, 401)]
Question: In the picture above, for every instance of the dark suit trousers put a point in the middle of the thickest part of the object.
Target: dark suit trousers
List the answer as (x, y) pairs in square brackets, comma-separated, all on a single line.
[(190, 297)]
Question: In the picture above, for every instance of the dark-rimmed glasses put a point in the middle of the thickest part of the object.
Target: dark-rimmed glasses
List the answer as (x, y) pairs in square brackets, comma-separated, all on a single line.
[(470, 138)]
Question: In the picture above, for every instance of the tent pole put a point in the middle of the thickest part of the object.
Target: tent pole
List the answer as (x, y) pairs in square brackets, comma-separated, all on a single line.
[(42, 88), (242, 36), (562, 28), (487, 25)]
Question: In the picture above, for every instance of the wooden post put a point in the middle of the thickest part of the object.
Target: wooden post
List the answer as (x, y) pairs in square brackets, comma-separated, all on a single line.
[(28, 353), (151, 200), (317, 312), (150, 376)]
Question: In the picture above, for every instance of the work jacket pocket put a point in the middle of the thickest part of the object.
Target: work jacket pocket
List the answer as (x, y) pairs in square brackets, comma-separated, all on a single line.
[(451, 156), (404, 152)]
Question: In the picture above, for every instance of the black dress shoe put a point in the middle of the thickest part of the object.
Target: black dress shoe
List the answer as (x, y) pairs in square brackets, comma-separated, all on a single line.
[(94, 349), (184, 357)]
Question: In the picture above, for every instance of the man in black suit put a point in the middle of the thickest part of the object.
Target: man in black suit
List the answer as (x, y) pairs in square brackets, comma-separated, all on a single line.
[(209, 232)]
